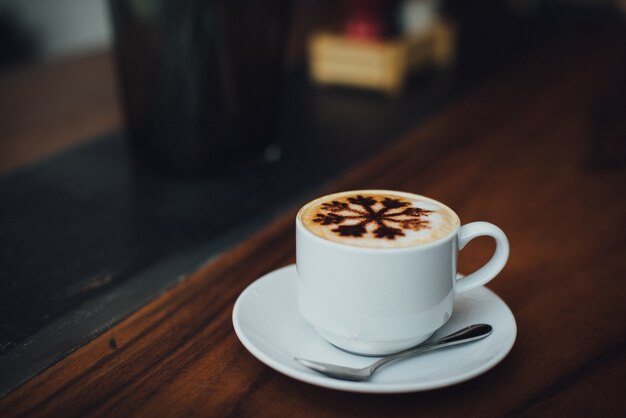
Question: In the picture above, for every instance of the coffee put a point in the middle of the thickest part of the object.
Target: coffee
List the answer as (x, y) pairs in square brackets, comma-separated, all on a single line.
[(368, 281), (378, 219)]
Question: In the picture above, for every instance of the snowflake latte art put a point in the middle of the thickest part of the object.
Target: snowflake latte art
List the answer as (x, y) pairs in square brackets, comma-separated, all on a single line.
[(378, 219)]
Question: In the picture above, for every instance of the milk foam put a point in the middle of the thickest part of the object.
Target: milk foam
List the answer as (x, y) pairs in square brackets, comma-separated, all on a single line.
[(378, 219)]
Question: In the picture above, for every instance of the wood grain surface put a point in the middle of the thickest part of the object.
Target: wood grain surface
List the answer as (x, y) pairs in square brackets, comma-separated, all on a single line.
[(521, 152)]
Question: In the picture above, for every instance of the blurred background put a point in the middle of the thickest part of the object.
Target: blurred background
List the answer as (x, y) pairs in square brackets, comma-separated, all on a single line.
[(39, 30), (369, 52), (34, 31), (139, 138)]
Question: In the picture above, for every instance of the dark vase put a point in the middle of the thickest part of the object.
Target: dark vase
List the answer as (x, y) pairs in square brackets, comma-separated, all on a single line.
[(200, 80)]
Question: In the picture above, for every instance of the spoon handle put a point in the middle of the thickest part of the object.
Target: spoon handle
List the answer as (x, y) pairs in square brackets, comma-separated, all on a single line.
[(465, 335)]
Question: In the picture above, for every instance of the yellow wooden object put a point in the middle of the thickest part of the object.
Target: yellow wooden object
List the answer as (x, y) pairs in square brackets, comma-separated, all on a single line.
[(379, 65)]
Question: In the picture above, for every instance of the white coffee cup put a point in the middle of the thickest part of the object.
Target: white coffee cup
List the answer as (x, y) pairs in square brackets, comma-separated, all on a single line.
[(380, 300)]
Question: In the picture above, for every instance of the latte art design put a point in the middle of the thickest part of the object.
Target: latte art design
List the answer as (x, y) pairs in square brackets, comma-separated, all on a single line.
[(379, 218)]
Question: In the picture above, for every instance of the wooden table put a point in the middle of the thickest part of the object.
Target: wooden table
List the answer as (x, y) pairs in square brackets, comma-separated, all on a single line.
[(526, 152), (49, 107)]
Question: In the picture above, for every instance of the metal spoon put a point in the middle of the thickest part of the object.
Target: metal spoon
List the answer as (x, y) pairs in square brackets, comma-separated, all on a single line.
[(472, 333)]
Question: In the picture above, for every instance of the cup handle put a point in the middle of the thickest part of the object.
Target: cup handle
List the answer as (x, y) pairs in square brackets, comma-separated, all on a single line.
[(494, 265)]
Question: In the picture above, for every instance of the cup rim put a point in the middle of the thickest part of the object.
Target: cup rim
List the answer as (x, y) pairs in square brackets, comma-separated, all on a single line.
[(441, 241)]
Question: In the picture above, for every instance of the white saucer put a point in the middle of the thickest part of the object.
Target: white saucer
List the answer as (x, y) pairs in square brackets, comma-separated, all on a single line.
[(267, 321)]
